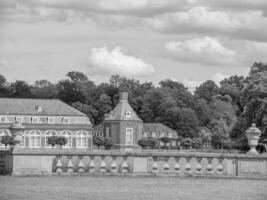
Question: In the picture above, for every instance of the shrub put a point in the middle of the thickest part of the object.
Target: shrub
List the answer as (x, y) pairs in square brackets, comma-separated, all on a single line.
[(143, 142), (52, 140), (108, 143), (61, 140), (8, 140), (98, 141), (197, 143), (187, 142)]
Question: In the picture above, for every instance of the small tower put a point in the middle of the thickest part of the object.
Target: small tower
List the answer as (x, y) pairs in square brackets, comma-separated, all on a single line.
[(123, 125)]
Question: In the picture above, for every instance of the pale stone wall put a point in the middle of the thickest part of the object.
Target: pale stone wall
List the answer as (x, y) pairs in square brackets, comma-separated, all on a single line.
[(159, 163)]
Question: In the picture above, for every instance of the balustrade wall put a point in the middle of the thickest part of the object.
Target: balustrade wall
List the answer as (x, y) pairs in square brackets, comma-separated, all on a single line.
[(116, 162)]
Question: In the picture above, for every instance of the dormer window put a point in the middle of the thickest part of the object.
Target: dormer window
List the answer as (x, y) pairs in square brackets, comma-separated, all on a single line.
[(128, 114), (50, 120), (35, 120), (39, 109), (3, 119), (19, 119), (65, 120)]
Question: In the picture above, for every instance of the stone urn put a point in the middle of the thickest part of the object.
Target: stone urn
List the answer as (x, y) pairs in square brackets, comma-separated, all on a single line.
[(17, 132), (253, 135)]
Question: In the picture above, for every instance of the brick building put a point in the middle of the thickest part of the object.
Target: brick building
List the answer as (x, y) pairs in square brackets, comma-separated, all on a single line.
[(42, 118), (125, 128)]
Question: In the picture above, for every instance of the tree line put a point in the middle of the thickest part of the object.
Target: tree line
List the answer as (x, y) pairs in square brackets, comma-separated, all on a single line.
[(224, 112)]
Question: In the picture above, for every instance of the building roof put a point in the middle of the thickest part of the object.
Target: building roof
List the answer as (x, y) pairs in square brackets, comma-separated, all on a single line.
[(98, 128), (119, 112), (157, 127), (50, 107)]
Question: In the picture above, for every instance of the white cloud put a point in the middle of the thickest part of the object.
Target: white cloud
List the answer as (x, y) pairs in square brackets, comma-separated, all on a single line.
[(218, 77), (205, 50), (116, 62), (191, 84)]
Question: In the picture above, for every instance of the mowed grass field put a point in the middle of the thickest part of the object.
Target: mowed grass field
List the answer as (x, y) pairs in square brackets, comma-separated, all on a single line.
[(145, 188)]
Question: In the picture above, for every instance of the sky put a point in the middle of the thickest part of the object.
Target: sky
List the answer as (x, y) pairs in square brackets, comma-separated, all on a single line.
[(189, 41)]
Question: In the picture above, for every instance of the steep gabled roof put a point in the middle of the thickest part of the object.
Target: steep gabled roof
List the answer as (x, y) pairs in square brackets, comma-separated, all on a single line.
[(50, 107), (119, 112)]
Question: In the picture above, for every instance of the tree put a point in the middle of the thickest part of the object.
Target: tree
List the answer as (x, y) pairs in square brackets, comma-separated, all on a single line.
[(143, 142), (20, 89), (187, 142), (77, 76), (5, 140), (165, 140), (44, 89), (4, 92), (52, 141), (61, 140), (206, 90), (98, 141), (108, 143)]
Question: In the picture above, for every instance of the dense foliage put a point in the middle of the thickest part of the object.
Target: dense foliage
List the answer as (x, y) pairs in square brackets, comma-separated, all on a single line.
[(224, 111)]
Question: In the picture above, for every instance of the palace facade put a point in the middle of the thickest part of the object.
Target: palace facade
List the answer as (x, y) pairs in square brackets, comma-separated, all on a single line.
[(42, 118)]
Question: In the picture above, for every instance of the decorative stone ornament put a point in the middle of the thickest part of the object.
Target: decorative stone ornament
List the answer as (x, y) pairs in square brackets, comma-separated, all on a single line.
[(59, 166), (16, 130), (253, 135), (81, 167), (103, 166), (125, 167), (70, 167)]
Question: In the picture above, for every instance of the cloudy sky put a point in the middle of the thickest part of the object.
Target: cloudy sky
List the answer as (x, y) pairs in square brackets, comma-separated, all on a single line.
[(186, 40)]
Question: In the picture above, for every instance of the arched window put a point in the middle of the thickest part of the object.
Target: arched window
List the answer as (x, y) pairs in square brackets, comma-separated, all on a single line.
[(48, 134), (3, 132), (82, 139), (68, 135), (35, 139)]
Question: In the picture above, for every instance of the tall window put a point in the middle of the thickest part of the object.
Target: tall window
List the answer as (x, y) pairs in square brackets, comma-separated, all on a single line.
[(129, 136), (35, 120), (81, 139), (50, 120), (108, 134), (48, 134), (3, 132), (22, 142), (65, 120), (153, 134), (162, 134), (170, 135), (68, 135), (19, 119), (145, 134), (35, 139), (3, 119)]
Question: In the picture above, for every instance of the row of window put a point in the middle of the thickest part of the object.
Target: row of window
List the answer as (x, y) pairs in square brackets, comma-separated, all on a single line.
[(154, 134), (35, 139), (36, 120)]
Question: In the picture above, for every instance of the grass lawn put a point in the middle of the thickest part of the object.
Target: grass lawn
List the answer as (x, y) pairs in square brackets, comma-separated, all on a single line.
[(145, 188)]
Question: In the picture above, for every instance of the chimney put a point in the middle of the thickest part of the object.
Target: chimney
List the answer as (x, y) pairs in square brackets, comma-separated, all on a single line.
[(123, 96)]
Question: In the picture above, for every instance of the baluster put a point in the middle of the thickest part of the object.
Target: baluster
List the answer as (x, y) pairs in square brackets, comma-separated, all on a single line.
[(155, 167), (198, 166), (209, 166), (70, 165), (125, 167), (81, 167), (188, 167), (166, 167), (59, 166), (114, 166), (220, 167), (103, 167), (177, 166), (92, 166)]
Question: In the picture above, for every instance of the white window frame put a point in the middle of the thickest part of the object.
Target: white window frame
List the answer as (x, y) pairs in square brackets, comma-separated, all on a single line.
[(50, 120), (34, 134), (49, 133), (5, 119), (67, 120), (129, 136), (81, 136), (33, 120), (22, 142), (153, 134), (19, 119), (162, 134), (170, 134), (68, 135), (145, 134), (3, 132)]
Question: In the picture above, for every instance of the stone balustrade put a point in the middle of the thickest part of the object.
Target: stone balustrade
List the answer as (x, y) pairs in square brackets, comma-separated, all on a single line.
[(154, 163)]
